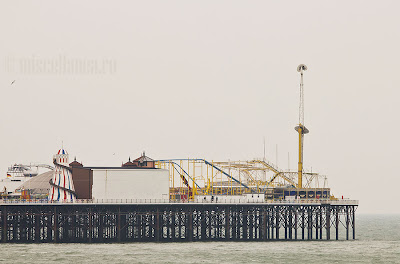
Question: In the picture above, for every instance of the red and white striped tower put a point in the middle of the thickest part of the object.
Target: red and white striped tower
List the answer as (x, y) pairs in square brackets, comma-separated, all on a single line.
[(62, 188)]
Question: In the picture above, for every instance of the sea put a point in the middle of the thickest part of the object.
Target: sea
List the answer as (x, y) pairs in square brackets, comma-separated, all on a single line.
[(377, 241)]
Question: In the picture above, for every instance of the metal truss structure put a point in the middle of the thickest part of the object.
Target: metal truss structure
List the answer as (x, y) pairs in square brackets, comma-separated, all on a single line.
[(175, 222), (199, 176)]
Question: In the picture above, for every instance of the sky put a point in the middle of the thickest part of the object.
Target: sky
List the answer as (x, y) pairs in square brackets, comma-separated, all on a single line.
[(207, 79)]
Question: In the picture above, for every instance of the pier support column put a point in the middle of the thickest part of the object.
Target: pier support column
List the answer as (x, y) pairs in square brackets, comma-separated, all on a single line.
[(264, 224), (245, 226), (181, 223), (296, 222), (303, 223), (4, 227), (286, 221), (158, 225), (337, 222), (268, 218), (227, 226), (90, 231), (328, 222), (119, 224), (173, 216), (100, 218), (347, 222), (272, 223), (49, 226), (37, 227), (316, 225), (354, 221), (309, 224), (277, 218), (74, 227), (320, 222), (291, 223), (203, 224), (190, 232), (55, 225)]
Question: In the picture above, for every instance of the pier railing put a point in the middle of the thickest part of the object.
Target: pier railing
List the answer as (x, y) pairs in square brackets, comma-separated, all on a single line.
[(167, 201)]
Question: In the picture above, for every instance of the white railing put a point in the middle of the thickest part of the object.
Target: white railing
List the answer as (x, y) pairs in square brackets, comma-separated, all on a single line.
[(315, 201), (123, 201), (345, 201), (166, 201), (22, 201)]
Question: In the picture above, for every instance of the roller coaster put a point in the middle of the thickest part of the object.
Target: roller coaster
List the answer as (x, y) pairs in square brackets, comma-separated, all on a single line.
[(191, 177)]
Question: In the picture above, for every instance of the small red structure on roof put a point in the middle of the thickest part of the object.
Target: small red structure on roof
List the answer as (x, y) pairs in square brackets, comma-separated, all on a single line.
[(129, 163), (143, 162), (75, 164)]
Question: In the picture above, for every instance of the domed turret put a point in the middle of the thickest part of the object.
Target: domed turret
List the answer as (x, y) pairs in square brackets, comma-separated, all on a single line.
[(61, 157)]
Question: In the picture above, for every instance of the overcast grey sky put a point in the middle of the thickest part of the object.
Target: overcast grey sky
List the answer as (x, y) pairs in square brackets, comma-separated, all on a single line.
[(207, 79)]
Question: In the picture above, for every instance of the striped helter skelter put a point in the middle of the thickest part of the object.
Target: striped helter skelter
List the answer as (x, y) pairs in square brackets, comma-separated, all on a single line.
[(61, 187)]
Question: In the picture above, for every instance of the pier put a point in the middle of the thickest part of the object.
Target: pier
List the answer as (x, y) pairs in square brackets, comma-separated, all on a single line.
[(174, 222)]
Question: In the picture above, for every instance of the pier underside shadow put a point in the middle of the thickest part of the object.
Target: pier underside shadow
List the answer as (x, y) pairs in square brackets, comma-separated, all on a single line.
[(106, 223)]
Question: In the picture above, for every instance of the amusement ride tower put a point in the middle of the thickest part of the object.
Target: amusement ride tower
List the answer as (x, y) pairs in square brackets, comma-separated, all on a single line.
[(300, 128), (61, 185)]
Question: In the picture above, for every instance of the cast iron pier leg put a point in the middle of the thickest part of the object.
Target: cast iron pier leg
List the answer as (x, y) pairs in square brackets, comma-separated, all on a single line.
[(354, 221), (277, 223), (337, 222), (328, 222), (55, 227), (303, 223), (347, 222), (4, 235)]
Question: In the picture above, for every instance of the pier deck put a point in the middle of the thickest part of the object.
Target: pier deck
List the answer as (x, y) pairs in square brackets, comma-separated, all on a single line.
[(164, 222)]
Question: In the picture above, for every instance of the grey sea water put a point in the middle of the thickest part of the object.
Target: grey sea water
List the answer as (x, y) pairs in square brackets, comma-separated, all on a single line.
[(377, 241)]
